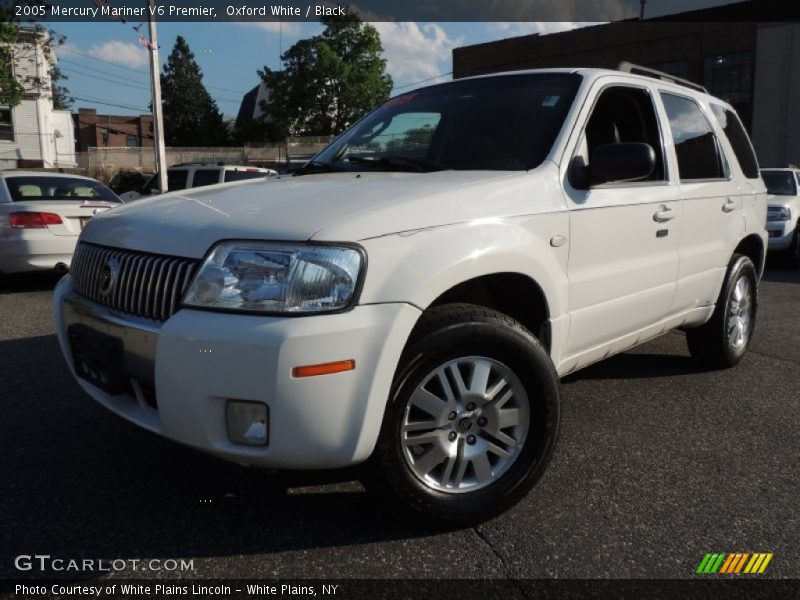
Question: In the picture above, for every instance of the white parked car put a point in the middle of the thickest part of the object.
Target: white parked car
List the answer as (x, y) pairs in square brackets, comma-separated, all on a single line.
[(41, 216), (192, 175), (412, 296), (783, 212)]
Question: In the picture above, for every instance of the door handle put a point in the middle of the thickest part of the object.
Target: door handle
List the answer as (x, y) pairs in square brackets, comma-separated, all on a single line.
[(664, 214), (729, 206)]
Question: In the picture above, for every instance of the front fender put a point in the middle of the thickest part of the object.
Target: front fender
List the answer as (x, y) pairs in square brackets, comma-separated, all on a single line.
[(417, 267)]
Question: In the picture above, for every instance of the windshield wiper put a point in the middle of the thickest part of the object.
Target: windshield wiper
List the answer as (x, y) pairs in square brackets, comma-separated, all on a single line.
[(390, 163), (318, 166)]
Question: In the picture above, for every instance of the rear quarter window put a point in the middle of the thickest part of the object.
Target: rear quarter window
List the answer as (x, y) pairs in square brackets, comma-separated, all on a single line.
[(740, 142)]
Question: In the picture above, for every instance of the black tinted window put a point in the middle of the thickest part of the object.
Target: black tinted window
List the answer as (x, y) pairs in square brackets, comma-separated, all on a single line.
[(176, 180), (780, 183), (57, 188), (737, 136), (240, 175), (695, 143), (205, 177)]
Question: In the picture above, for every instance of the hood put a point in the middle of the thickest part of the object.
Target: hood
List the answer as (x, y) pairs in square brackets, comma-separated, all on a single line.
[(344, 207), (774, 200)]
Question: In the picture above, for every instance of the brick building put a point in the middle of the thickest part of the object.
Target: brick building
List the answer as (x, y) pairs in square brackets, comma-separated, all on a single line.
[(111, 131), (754, 66)]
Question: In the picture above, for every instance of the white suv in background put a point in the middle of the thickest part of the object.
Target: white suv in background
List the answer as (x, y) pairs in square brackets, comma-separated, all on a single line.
[(783, 212), (410, 298), (191, 175)]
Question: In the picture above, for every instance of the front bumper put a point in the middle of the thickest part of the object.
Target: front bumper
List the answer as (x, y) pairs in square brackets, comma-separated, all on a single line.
[(197, 360), (781, 234), (35, 250)]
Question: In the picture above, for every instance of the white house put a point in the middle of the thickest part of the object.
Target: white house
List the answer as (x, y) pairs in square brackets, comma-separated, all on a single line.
[(32, 134)]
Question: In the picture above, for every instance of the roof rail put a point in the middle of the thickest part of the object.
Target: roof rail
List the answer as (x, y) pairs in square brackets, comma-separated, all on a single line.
[(628, 67)]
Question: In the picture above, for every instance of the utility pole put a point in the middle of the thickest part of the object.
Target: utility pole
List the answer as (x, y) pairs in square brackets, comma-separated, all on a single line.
[(158, 117), (641, 12)]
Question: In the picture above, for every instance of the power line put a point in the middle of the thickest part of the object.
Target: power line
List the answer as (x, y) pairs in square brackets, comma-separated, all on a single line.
[(113, 64), (400, 87), (122, 83), (72, 62), (108, 62), (142, 110)]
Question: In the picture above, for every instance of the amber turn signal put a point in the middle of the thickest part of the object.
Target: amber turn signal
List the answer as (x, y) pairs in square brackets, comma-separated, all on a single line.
[(324, 369)]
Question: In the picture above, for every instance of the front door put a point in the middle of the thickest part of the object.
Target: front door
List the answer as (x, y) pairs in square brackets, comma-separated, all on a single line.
[(623, 261)]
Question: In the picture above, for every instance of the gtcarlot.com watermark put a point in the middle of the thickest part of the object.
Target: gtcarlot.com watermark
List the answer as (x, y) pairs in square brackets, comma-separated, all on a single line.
[(46, 562)]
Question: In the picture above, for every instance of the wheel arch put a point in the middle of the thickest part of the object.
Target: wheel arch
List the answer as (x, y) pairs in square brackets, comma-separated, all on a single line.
[(752, 246), (514, 294)]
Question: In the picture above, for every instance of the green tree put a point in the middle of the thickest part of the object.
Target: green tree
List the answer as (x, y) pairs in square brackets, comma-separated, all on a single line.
[(328, 81), (11, 90), (61, 98), (191, 117)]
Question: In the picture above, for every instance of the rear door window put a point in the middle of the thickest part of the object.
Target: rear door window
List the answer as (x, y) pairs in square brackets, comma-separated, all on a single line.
[(696, 145), (205, 177)]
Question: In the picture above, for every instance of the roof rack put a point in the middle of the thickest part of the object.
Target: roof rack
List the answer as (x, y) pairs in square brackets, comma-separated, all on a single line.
[(628, 67)]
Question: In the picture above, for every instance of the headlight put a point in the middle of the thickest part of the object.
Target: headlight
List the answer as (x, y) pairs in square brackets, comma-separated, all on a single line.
[(275, 277), (778, 213)]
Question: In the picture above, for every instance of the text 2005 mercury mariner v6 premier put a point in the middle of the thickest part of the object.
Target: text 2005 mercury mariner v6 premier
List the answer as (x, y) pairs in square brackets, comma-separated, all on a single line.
[(410, 299)]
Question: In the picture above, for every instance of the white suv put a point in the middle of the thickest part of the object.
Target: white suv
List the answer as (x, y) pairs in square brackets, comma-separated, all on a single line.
[(411, 297), (191, 175), (783, 212)]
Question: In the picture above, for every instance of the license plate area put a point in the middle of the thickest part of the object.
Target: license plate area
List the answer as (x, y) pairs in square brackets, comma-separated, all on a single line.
[(98, 358)]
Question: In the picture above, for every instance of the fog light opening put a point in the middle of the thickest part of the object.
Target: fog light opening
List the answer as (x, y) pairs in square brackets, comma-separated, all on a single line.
[(247, 422)]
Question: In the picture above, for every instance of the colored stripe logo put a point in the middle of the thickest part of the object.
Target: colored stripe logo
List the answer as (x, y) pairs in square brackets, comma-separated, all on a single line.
[(734, 563)]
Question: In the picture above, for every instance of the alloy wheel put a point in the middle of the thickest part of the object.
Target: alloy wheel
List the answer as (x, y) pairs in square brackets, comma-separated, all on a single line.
[(465, 424)]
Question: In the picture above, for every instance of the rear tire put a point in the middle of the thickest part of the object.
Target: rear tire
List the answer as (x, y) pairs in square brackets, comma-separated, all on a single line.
[(472, 419), (723, 341)]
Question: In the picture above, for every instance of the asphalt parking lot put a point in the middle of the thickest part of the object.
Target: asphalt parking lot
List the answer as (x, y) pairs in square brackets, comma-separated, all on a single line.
[(658, 463)]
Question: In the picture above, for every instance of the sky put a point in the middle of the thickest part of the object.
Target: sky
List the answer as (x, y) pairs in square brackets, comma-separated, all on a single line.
[(105, 63), (108, 68)]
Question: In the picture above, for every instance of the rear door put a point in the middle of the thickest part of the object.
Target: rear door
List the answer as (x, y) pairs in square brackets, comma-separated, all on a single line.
[(712, 202)]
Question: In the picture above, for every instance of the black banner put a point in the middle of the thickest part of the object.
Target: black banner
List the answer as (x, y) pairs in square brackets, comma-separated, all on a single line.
[(410, 589), (407, 10)]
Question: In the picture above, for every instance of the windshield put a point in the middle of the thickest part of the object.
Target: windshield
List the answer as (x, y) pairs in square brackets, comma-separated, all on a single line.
[(503, 123), (780, 183), (27, 188)]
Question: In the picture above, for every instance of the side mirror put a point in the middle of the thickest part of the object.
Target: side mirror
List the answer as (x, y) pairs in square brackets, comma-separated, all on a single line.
[(628, 161)]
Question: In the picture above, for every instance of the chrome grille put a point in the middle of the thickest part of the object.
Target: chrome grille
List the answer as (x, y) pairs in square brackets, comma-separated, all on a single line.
[(147, 285)]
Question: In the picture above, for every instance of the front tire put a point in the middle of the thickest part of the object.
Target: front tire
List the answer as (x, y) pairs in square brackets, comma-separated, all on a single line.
[(472, 420), (723, 341)]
